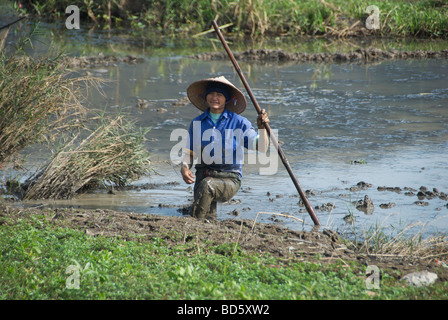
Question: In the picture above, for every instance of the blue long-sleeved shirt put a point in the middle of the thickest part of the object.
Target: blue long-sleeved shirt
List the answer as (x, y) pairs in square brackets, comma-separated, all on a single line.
[(221, 146)]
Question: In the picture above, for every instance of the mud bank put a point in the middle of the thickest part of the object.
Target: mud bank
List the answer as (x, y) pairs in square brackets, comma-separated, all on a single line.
[(100, 60), (317, 246), (359, 55)]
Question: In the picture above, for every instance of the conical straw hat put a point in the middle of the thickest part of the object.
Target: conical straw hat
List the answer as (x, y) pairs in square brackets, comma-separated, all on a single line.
[(196, 94)]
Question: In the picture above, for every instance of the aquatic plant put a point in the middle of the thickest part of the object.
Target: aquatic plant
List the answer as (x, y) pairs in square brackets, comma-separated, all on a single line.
[(113, 153), (36, 97)]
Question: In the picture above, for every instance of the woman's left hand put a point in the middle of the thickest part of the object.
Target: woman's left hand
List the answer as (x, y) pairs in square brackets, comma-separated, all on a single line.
[(262, 119)]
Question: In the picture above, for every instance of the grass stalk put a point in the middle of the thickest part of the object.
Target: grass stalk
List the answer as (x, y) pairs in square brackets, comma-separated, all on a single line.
[(38, 99), (405, 242)]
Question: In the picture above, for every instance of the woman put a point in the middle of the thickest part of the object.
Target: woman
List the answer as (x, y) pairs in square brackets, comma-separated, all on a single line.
[(216, 140)]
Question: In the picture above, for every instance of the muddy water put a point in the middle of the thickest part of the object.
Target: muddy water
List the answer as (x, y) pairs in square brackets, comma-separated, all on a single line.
[(385, 124)]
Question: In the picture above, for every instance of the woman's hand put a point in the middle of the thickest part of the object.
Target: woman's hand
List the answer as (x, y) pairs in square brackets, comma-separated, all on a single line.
[(262, 119), (187, 175)]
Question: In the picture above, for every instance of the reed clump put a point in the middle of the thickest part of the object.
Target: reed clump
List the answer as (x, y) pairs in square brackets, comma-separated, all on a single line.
[(37, 98), (404, 243), (112, 153)]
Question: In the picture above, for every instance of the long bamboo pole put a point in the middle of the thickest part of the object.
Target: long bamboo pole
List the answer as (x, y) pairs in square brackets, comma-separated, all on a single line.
[(268, 128), (11, 23)]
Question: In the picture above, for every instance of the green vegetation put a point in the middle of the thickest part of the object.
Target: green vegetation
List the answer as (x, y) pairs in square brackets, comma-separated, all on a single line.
[(40, 102), (39, 99), (426, 19), (37, 260), (113, 153), (421, 18), (36, 98)]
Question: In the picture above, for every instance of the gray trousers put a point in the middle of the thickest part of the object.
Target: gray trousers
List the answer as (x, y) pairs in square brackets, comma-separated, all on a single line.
[(210, 188)]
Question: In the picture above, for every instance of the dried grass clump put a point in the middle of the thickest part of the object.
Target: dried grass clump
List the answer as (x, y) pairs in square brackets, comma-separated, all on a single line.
[(405, 243), (37, 97), (113, 153)]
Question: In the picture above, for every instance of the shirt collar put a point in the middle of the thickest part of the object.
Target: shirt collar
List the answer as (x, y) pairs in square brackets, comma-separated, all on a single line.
[(206, 113)]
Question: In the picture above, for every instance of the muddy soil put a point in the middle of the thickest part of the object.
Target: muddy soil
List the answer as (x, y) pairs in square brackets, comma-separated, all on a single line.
[(368, 55), (100, 60), (359, 56), (318, 246)]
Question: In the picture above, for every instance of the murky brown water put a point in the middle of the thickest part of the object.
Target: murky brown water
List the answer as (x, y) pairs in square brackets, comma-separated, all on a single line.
[(385, 124)]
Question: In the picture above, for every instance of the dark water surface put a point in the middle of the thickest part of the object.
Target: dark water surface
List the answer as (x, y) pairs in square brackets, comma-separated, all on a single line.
[(385, 124)]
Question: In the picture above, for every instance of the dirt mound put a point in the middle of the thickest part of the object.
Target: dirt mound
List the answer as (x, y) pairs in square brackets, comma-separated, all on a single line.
[(359, 55), (318, 246), (100, 60)]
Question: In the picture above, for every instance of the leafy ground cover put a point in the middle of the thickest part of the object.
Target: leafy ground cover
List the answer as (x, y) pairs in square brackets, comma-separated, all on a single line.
[(81, 254)]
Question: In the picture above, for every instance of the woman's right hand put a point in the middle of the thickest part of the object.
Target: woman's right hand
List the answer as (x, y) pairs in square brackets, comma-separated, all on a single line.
[(187, 175)]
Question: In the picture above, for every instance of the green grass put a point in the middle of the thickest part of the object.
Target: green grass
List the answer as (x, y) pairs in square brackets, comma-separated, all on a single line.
[(35, 256), (426, 18), (421, 18)]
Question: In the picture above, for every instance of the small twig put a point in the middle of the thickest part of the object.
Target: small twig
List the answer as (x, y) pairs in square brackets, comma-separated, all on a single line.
[(197, 241), (253, 225), (344, 31), (238, 239), (387, 16), (281, 214), (300, 240), (331, 6), (329, 215), (185, 234), (211, 30), (435, 255)]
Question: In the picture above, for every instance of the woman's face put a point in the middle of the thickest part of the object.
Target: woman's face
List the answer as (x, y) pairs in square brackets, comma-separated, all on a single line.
[(216, 102)]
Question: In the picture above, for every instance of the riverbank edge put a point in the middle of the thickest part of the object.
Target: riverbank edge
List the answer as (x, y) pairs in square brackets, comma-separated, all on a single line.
[(321, 245), (368, 55), (364, 56), (331, 18)]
